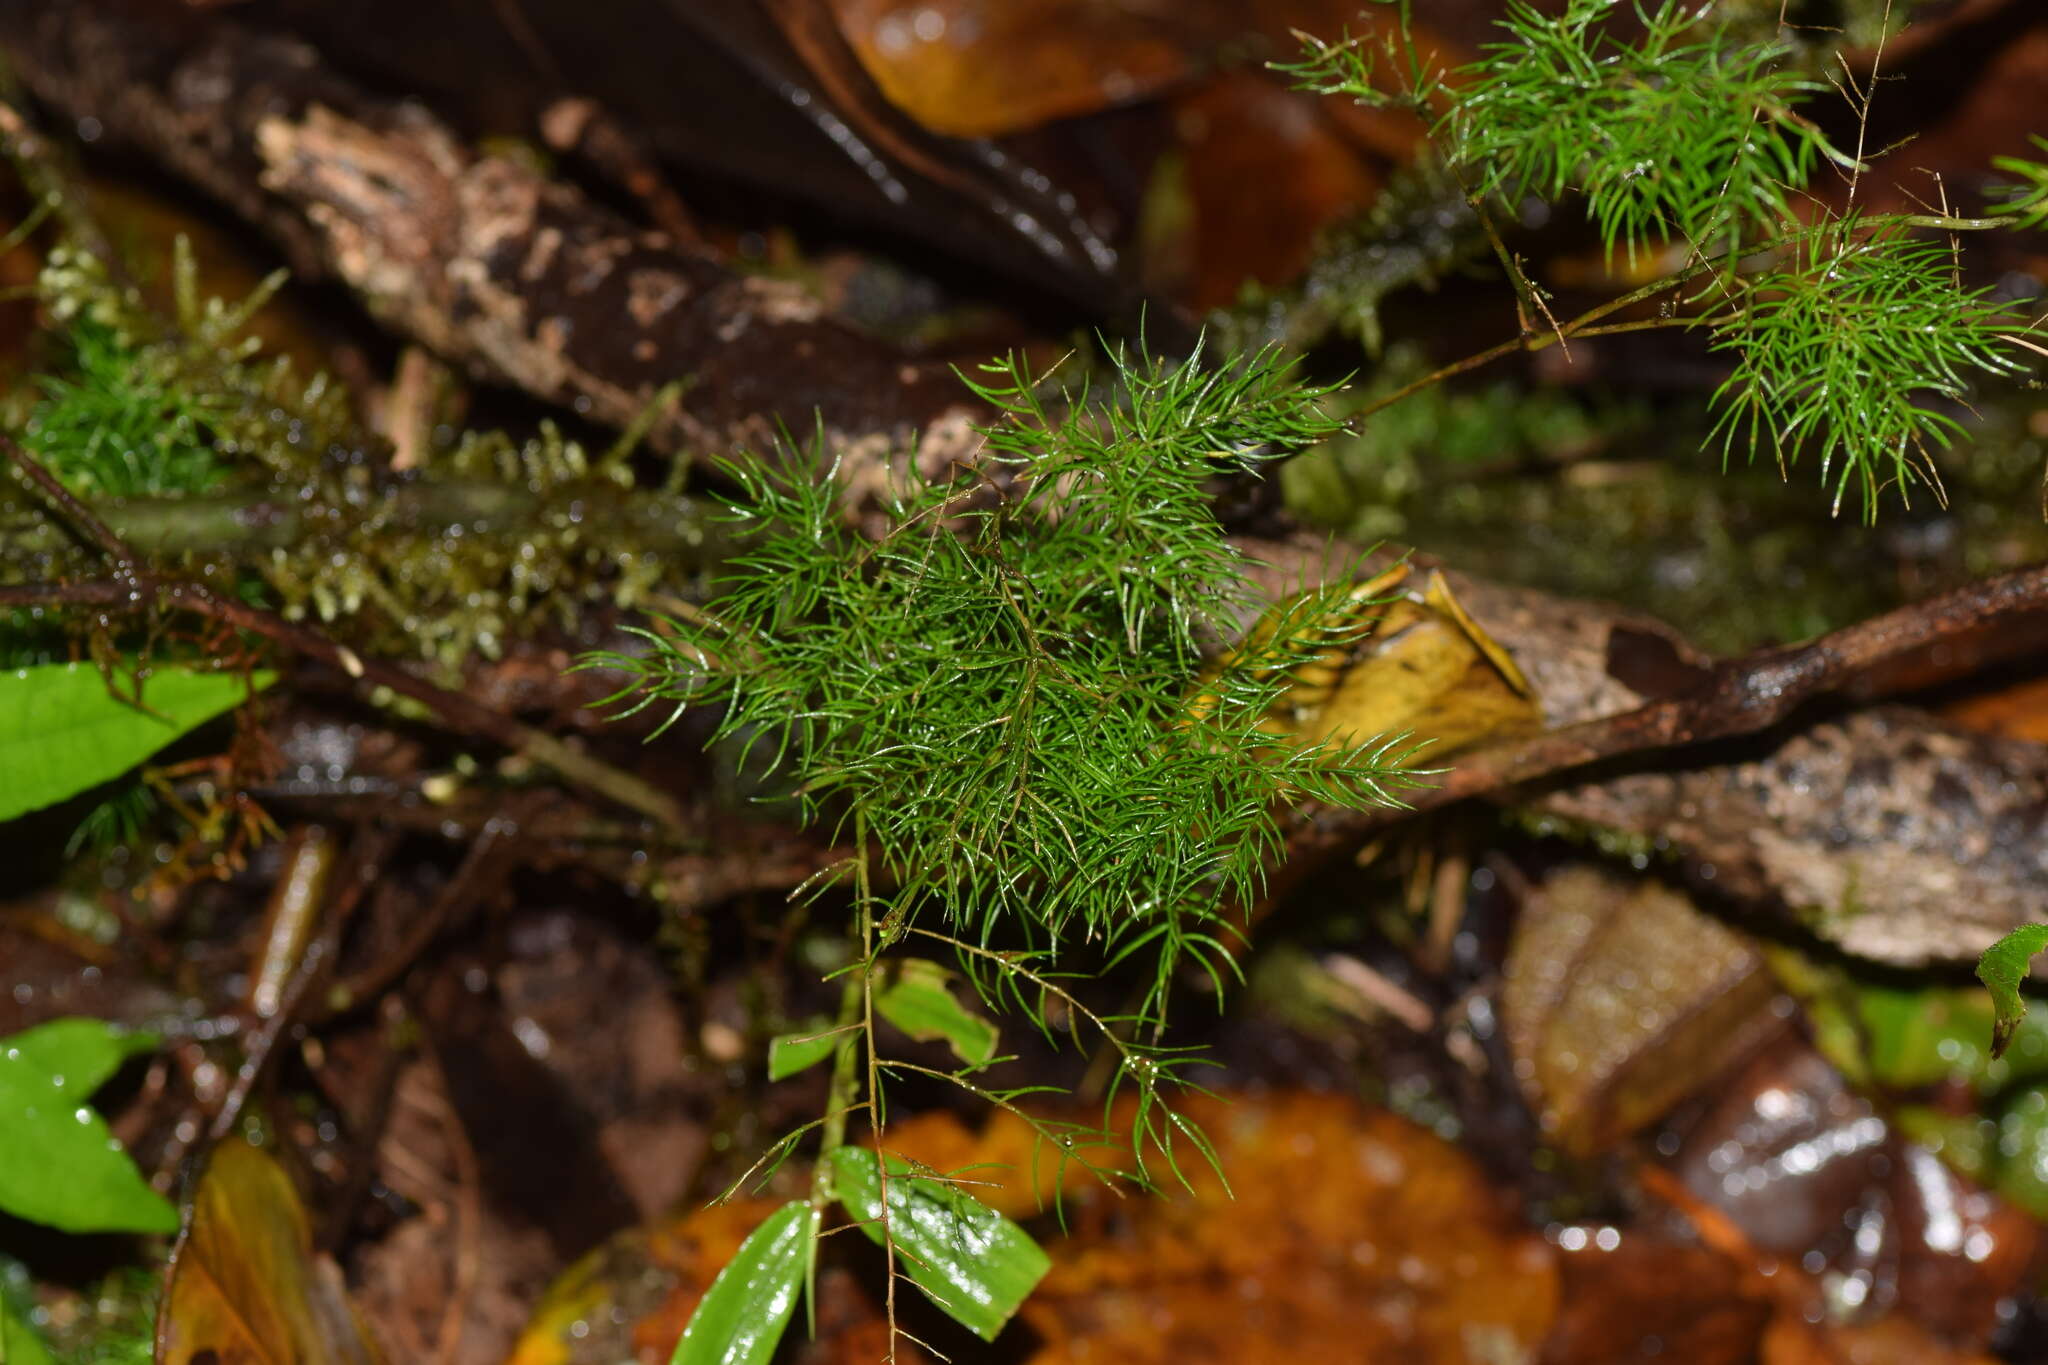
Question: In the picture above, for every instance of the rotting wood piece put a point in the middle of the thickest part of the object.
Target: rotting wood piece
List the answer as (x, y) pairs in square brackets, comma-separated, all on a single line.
[(520, 279)]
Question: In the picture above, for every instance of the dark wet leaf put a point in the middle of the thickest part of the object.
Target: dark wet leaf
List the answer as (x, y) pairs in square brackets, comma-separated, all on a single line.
[(59, 1164), (742, 1316), (2002, 968), (968, 1259), (245, 1286), (62, 731)]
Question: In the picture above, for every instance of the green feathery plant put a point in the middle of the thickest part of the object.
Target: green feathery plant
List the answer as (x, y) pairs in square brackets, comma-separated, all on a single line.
[(996, 691), (1017, 706), (1677, 133), (117, 425), (1839, 348), (1851, 334), (1002, 703)]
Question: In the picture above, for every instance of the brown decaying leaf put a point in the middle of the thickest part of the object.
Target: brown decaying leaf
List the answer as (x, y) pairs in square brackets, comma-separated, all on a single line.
[(1793, 1164), (1241, 130), (1621, 999), (245, 1286), (1348, 1234)]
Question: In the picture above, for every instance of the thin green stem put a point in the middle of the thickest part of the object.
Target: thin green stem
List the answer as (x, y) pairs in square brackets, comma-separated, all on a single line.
[(1584, 324), (861, 992)]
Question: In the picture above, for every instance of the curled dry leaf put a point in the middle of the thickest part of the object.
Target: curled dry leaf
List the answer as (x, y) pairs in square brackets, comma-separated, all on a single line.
[(1407, 662), (245, 1285)]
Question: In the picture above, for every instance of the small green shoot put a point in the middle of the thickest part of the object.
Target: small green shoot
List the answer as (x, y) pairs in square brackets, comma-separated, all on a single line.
[(2002, 968), (917, 998)]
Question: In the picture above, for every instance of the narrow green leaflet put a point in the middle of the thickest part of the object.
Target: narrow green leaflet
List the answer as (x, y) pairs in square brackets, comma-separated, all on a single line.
[(968, 1259), (918, 1000), (792, 1052), (58, 1163), (62, 731), (743, 1314), (2001, 969)]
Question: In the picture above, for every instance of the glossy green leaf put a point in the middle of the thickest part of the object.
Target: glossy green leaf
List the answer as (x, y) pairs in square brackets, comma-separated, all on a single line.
[(968, 1259), (918, 999), (2002, 968), (58, 1162), (792, 1052), (62, 731), (742, 1316), (1904, 1037), (85, 1052)]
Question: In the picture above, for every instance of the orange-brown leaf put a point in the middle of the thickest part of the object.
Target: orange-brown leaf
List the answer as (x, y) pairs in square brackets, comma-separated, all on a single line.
[(246, 1286)]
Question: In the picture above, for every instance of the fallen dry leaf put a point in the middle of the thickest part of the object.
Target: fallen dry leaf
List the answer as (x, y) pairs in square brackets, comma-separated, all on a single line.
[(1348, 1234), (245, 1286), (1621, 999), (977, 68)]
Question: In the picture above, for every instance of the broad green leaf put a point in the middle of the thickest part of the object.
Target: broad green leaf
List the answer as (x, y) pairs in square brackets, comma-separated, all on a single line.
[(968, 1259), (85, 1052), (742, 1316), (918, 999), (2002, 968), (792, 1052), (245, 1285), (59, 1164), (62, 731)]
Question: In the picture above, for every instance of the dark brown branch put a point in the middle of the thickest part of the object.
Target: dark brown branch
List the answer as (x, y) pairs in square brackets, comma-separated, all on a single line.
[(75, 511), (1745, 695), (1884, 831), (1737, 697)]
